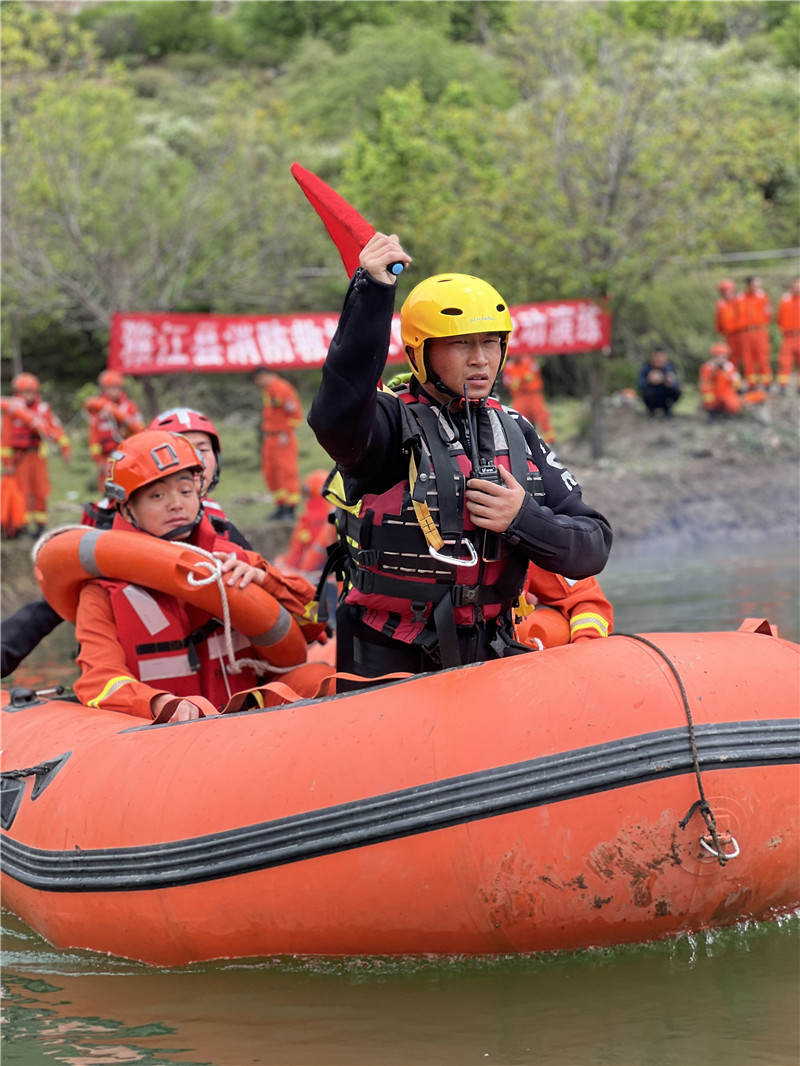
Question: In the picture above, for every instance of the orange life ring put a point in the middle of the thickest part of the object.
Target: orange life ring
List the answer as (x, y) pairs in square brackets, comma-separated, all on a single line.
[(546, 624), (71, 557)]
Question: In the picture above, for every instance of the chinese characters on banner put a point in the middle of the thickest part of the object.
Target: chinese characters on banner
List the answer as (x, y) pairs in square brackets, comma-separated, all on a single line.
[(143, 343)]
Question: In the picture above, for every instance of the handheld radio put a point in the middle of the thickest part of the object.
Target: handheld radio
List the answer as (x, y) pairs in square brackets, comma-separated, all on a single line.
[(488, 544)]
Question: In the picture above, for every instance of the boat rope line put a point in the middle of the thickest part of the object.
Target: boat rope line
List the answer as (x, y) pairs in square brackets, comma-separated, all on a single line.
[(701, 804), (424, 808), (29, 771)]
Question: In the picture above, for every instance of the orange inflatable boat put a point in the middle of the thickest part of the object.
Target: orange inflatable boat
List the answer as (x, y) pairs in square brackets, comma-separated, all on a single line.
[(600, 793)]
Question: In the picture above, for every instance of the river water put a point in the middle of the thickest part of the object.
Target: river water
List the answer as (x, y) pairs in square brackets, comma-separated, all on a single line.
[(729, 996)]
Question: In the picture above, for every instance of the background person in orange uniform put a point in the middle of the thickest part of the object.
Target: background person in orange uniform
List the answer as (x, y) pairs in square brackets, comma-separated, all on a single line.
[(523, 379), (312, 533), (720, 383), (28, 424), (148, 653), (281, 415), (755, 312), (113, 417), (565, 611), (728, 322), (788, 319)]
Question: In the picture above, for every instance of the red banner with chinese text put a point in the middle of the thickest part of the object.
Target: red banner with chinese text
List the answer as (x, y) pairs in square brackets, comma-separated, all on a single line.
[(142, 343)]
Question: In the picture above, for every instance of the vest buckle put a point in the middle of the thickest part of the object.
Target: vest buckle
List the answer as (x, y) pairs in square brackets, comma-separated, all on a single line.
[(467, 594)]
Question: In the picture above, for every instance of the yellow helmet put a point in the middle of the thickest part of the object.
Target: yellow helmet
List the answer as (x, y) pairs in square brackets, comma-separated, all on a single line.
[(448, 305)]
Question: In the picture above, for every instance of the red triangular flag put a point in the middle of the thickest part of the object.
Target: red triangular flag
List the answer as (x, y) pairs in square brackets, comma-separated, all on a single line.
[(348, 230)]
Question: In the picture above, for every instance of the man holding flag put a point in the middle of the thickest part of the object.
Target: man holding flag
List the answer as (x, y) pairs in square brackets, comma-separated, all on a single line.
[(446, 496)]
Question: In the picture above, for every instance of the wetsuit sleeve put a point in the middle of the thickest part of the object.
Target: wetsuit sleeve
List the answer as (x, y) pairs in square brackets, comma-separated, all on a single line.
[(23, 630), (562, 534), (345, 415), (105, 679)]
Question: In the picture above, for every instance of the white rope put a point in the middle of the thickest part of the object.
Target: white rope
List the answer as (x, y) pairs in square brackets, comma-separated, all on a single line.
[(235, 666)]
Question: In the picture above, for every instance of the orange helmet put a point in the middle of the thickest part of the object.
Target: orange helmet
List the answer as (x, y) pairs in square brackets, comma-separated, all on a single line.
[(726, 285), (147, 457), (720, 351), (448, 305), (315, 482), (25, 383), (110, 378)]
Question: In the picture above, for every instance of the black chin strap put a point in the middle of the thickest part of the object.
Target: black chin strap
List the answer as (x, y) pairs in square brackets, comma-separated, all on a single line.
[(440, 386), (183, 531), (214, 477)]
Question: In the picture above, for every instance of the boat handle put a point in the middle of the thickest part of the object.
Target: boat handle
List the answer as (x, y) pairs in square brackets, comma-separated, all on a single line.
[(728, 855), (451, 560)]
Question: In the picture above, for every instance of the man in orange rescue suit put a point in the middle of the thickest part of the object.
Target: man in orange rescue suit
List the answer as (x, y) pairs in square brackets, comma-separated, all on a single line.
[(447, 496), (113, 417), (755, 312), (145, 652), (788, 319), (523, 379), (728, 321), (720, 383), (281, 415), (313, 534), (28, 424)]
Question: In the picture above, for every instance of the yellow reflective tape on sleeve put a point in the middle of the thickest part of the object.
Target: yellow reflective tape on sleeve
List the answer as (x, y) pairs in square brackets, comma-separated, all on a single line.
[(334, 493), (113, 685), (588, 620)]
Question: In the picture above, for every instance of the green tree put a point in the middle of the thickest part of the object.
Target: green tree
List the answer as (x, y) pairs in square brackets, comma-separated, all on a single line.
[(40, 37), (437, 193), (111, 206), (281, 26), (157, 27), (334, 95)]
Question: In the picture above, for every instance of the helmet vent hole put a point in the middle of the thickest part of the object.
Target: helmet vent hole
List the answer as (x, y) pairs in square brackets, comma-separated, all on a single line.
[(501, 307), (454, 311)]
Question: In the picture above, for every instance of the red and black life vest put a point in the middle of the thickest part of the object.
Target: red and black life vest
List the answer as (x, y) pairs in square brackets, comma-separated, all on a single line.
[(392, 580)]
